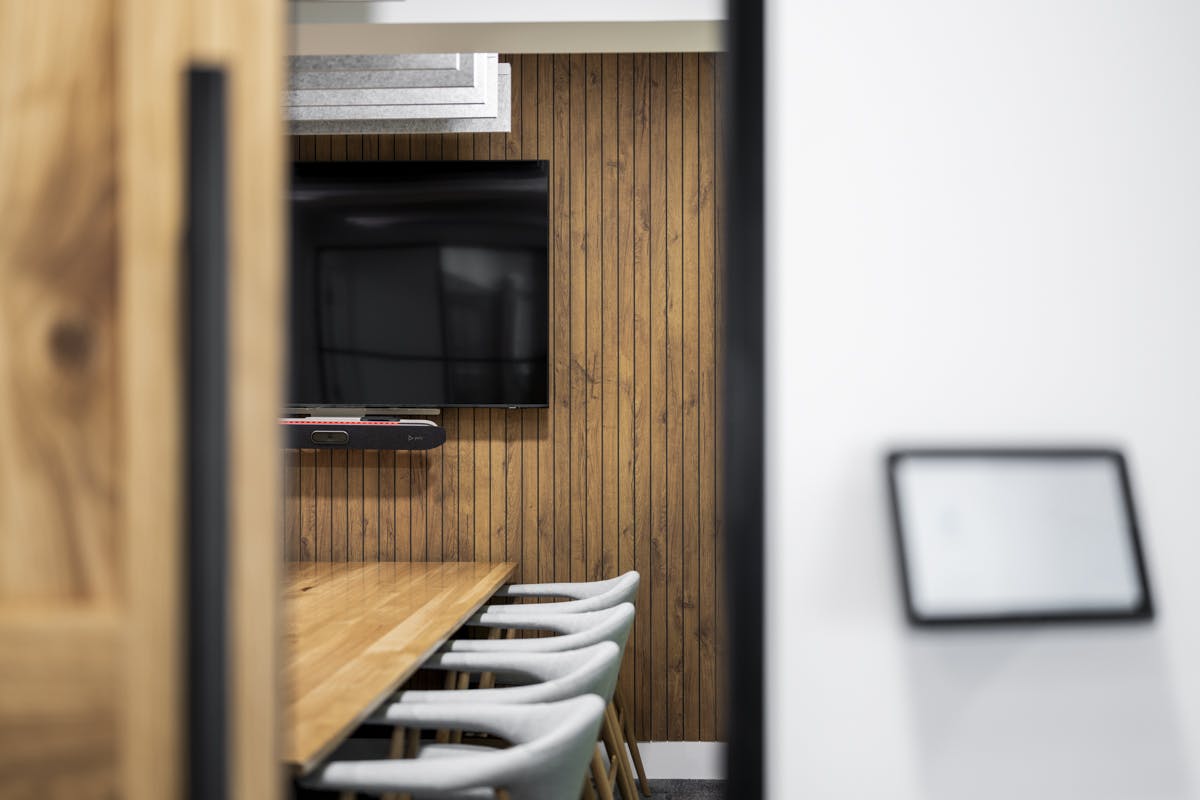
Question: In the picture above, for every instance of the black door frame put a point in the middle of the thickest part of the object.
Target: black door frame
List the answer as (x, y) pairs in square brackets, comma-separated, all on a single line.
[(742, 425)]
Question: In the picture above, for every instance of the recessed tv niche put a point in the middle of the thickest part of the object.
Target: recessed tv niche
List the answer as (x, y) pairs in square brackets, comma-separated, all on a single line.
[(419, 284)]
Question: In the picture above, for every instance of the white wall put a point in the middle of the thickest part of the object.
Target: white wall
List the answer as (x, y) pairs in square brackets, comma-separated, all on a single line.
[(984, 227)]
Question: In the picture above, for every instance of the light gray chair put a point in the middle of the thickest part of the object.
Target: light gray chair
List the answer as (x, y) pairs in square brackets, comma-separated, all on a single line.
[(552, 744), (575, 630), (537, 677), (584, 596), (541, 678)]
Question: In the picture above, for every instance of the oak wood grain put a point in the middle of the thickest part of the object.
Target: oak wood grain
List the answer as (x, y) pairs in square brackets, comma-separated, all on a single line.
[(355, 631), (61, 542)]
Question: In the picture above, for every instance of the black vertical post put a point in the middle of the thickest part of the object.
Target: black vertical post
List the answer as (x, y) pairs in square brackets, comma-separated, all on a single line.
[(206, 437), (744, 400)]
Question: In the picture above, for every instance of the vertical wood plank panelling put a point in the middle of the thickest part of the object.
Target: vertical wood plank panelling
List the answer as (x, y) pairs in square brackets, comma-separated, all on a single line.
[(576, 211), (609, 333), (593, 372), (482, 483), (546, 476), (621, 471), (387, 505), (690, 636), (514, 470), (560, 290), (674, 360), (339, 524), (658, 393), (466, 484), (643, 519), (719, 105), (323, 541), (497, 485), (624, 334), (402, 475), (418, 491), (512, 139), (433, 477), (706, 364), (450, 498), (371, 505), (355, 535)]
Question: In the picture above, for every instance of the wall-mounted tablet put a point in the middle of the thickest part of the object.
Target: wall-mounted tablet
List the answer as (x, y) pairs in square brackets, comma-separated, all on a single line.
[(1015, 535)]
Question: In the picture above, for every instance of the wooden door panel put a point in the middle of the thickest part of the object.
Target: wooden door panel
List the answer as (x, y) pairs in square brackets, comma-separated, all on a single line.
[(58, 707), (59, 463), (92, 667)]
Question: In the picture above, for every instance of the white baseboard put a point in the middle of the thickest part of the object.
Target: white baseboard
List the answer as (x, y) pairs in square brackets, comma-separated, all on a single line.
[(684, 760)]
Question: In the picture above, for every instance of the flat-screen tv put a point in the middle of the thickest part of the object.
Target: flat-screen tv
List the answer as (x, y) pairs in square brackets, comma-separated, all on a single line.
[(419, 284)]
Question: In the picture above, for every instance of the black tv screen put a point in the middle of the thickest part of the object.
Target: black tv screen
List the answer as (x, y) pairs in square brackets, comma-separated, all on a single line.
[(420, 284)]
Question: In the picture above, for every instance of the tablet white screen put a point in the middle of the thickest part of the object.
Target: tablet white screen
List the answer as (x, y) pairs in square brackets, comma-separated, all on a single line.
[(1014, 535)]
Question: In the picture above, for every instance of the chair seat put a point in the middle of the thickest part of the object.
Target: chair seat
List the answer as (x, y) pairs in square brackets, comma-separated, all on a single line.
[(444, 750), (552, 744)]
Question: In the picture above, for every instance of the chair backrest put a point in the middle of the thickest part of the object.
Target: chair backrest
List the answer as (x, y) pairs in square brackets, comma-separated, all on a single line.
[(552, 765), (558, 676), (616, 591), (575, 631), (552, 745), (579, 590)]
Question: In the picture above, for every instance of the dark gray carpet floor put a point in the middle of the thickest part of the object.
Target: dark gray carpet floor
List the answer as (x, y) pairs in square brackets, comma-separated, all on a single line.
[(688, 790)]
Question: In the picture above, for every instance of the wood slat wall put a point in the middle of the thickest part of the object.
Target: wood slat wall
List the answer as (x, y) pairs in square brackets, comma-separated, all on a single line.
[(622, 471)]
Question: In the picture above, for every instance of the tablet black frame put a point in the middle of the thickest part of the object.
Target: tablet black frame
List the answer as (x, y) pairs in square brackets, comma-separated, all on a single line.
[(1144, 612)]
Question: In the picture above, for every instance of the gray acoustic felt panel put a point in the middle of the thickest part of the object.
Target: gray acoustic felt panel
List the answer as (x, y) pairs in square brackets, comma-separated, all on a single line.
[(365, 110)]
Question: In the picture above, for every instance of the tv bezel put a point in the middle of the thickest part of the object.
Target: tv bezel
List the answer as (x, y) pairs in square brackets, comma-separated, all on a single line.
[(381, 168)]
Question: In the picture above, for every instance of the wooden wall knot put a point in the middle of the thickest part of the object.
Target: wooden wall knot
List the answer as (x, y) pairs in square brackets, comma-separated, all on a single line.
[(71, 343)]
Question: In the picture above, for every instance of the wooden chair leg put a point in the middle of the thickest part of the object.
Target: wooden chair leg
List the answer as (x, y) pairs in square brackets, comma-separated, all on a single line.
[(399, 746), (411, 747), (626, 720), (414, 743), (616, 755), (600, 775), (442, 736), (464, 682), (487, 680), (397, 749)]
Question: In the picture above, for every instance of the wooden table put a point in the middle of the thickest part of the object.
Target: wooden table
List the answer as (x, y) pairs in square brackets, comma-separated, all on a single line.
[(355, 632)]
